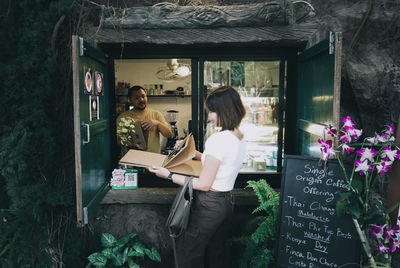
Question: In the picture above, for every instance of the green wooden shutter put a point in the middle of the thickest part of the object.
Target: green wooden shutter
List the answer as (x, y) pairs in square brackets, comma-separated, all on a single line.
[(318, 97), (91, 127)]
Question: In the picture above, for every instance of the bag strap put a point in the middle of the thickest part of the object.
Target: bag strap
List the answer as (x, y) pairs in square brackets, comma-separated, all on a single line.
[(175, 253), (189, 184)]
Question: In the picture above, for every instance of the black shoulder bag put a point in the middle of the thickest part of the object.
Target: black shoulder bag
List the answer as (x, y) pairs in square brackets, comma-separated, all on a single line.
[(179, 213)]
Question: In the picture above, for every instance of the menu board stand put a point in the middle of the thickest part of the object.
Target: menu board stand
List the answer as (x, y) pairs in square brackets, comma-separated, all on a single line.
[(310, 233)]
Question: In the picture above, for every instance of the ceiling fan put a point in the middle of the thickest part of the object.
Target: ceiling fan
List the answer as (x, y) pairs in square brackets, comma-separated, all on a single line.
[(173, 71)]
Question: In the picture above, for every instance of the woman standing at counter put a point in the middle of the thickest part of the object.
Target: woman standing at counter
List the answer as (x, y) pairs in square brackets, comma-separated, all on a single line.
[(221, 160)]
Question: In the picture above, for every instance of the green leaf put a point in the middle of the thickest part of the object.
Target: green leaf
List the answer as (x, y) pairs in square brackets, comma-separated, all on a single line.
[(133, 253), (117, 259), (125, 255), (354, 210), (358, 185), (375, 217), (107, 252), (98, 259), (344, 195), (393, 207), (132, 264), (108, 240), (156, 256), (139, 247), (124, 240), (340, 207)]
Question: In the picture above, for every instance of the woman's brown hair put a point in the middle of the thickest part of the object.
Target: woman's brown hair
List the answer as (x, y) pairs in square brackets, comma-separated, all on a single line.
[(226, 103)]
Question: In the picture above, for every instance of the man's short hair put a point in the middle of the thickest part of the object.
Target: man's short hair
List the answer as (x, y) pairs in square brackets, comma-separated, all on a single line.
[(133, 89)]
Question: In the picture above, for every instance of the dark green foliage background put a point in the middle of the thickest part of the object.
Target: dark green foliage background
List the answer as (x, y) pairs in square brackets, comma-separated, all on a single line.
[(37, 221), (258, 238)]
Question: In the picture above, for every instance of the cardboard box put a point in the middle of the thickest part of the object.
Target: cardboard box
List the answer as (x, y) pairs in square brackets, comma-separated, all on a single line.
[(179, 161), (140, 138)]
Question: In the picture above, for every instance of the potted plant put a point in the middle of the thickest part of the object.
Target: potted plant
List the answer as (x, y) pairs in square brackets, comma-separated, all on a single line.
[(371, 158), (125, 133), (125, 252)]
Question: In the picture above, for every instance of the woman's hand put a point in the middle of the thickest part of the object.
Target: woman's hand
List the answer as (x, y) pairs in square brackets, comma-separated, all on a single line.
[(159, 172)]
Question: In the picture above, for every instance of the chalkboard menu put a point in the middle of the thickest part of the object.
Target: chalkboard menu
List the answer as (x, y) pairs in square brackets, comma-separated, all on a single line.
[(310, 233)]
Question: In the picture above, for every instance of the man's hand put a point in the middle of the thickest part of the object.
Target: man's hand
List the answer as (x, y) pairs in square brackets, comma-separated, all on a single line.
[(135, 145), (138, 146), (148, 124)]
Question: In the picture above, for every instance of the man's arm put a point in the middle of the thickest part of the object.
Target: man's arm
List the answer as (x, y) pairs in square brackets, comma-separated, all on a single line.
[(159, 122), (164, 126), (165, 129)]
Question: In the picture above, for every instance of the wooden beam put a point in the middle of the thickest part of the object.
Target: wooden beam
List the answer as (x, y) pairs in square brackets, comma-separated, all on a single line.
[(166, 196), (77, 128), (169, 16)]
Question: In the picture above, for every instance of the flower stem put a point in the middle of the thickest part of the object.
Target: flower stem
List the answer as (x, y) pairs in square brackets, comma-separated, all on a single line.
[(364, 243), (366, 194)]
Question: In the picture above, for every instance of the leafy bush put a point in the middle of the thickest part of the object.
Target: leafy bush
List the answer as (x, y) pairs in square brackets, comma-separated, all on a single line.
[(36, 152), (127, 251), (260, 243)]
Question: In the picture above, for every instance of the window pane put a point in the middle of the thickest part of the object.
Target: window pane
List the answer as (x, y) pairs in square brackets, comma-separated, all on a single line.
[(257, 82)]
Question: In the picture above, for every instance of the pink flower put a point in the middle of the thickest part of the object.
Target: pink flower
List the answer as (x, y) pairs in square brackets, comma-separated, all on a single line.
[(389, 129), (347, 121), (396, 243), (389, 153), (383, 167), (326, 148), (353, 132), (392, 232), (366, 153), (372, 140), (347, 149), (330, 130), (382, 249), (377, 231), (344, 137), (363, 167), (384, 138)]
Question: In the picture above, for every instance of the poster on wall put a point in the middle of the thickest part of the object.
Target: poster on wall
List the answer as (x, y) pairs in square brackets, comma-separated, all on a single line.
[(94, 108), (99, 83), (88, 81)]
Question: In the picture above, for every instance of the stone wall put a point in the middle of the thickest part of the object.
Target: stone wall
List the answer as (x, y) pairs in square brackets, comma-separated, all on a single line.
[(148, 222), (371, 58)]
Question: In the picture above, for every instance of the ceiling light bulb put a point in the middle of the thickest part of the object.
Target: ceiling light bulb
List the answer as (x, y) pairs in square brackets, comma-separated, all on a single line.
[(183, 70)]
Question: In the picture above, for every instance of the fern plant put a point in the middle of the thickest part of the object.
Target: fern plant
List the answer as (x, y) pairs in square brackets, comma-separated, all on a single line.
[(259, 245), (125, 252)]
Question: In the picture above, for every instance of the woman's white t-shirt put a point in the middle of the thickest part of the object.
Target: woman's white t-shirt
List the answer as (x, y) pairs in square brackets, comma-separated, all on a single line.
[(227, 148)]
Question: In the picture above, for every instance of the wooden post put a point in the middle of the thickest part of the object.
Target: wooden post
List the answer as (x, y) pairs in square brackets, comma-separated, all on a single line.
[(393, 195)]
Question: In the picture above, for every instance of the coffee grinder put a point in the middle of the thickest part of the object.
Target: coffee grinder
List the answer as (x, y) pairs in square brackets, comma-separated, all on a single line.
[(172, 118)]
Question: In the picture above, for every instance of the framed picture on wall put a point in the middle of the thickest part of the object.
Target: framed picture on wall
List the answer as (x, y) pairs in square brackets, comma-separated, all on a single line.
[(88, 81), (94, 108), (99, 83)]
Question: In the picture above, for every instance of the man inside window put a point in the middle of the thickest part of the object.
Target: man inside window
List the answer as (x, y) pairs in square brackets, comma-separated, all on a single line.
[(151, 121)]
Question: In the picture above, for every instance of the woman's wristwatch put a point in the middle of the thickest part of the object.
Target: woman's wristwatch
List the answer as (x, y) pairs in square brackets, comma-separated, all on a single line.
[(170, 176)]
